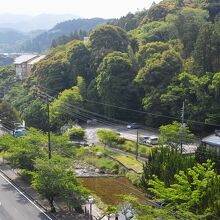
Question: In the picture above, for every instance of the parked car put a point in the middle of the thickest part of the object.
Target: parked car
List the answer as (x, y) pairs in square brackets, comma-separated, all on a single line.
[(133, 126), (19, 132), (152, 140)]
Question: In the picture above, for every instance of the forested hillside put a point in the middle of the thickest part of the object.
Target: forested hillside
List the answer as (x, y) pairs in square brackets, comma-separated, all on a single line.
[(72, 29), (150, 61)]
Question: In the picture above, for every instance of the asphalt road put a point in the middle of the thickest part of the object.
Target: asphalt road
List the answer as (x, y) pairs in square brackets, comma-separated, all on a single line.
[(130, 134), (14, 205)]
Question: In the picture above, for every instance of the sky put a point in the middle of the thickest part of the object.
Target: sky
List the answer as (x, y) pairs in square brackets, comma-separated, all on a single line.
[(81, 8)]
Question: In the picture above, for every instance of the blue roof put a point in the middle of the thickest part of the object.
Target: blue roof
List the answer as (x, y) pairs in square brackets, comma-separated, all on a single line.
[(212, 140)]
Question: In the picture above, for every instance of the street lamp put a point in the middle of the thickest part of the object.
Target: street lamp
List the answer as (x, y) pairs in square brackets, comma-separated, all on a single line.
[(91, 201)]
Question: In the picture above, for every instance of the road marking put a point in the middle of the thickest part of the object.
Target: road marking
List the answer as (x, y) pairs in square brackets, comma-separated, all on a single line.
[(41, 210)]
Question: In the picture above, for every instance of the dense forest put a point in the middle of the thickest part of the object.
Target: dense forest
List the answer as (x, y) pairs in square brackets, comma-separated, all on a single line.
[(150, 61)]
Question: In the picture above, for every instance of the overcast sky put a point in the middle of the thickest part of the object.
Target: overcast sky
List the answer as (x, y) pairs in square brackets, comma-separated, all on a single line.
[(82, 8)]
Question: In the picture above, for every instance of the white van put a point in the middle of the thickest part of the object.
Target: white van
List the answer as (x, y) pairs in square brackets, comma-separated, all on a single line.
[(152, 140)]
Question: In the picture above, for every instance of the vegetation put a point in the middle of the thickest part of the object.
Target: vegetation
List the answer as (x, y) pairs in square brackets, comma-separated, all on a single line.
[(54, 178), (195, 192), (115, 188), (165, 163), (130, 163), (163, 56), (203, 153), (112, 139), (75, 133), (175, 136)]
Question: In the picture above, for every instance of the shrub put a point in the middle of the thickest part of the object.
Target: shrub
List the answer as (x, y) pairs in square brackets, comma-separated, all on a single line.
[(76, 133), (119, 140), (107, 136)]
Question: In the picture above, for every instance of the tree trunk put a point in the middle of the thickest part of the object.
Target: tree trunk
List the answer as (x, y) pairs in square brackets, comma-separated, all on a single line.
[(52, 208)]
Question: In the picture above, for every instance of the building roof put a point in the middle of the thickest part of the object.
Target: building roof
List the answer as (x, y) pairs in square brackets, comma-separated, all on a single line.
[(37, 59), (212, 140), (24, 58)]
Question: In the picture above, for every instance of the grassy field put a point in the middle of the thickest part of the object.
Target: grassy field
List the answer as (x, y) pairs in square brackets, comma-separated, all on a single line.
[(111, 189), (130, 146), (130, 163)]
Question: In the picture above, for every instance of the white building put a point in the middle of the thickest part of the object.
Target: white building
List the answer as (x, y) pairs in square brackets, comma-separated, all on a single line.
[(24, 64)]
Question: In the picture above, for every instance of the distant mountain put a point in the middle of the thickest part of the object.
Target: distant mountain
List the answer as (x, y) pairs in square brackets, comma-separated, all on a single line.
[(27, 23), (10, 40), (44, 41), (8, 36)]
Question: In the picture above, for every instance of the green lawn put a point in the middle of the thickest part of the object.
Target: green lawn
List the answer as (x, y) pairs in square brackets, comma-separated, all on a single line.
[(130, 163), (130, 146)]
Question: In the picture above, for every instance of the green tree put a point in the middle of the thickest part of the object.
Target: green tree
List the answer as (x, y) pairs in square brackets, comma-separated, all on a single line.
[(21, 152), (114, 82), (79, 58), (164, 163), (8, 115), (35, 115), (175, 136), (195, 191), (204, 153), (52, 72), (159, 68), (155, 31), (188, 22), (149, 50), (205, 49), (195, 91), (61, 108), (106, 39), (55, 178)]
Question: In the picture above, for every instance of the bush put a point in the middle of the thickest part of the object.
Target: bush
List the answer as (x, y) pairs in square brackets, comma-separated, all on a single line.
[(107, 136), (76, 133), (119, 140), (25, 175)]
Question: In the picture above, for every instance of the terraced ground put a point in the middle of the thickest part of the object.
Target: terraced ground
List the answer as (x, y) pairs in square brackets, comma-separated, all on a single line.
[(111, 189)]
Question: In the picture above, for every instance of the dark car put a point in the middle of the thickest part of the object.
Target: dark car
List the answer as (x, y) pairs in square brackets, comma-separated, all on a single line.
[(133, 126)]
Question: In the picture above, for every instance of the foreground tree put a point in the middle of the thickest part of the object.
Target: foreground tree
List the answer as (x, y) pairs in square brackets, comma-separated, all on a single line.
[(195, 192), (54, 178), (21, 152), (164, 163)]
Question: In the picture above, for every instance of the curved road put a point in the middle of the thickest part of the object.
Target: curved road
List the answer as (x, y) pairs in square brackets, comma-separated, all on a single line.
[(14, 205)]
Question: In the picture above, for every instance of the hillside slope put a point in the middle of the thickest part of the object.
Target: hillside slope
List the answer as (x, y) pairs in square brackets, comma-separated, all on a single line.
[(171, 56)]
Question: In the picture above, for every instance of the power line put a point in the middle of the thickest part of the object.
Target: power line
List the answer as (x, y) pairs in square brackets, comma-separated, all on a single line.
[(144, 112)]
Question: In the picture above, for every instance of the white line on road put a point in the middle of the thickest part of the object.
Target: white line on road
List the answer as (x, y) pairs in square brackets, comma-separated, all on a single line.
[(41, 210)]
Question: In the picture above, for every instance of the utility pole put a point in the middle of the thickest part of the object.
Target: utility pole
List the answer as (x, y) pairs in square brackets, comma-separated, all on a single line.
[(182, 126), (48, 127), (45, 98), (137, 143)]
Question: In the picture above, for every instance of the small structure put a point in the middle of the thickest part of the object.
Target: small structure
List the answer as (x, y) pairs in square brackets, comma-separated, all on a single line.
[(24, 64), (212, 141)]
